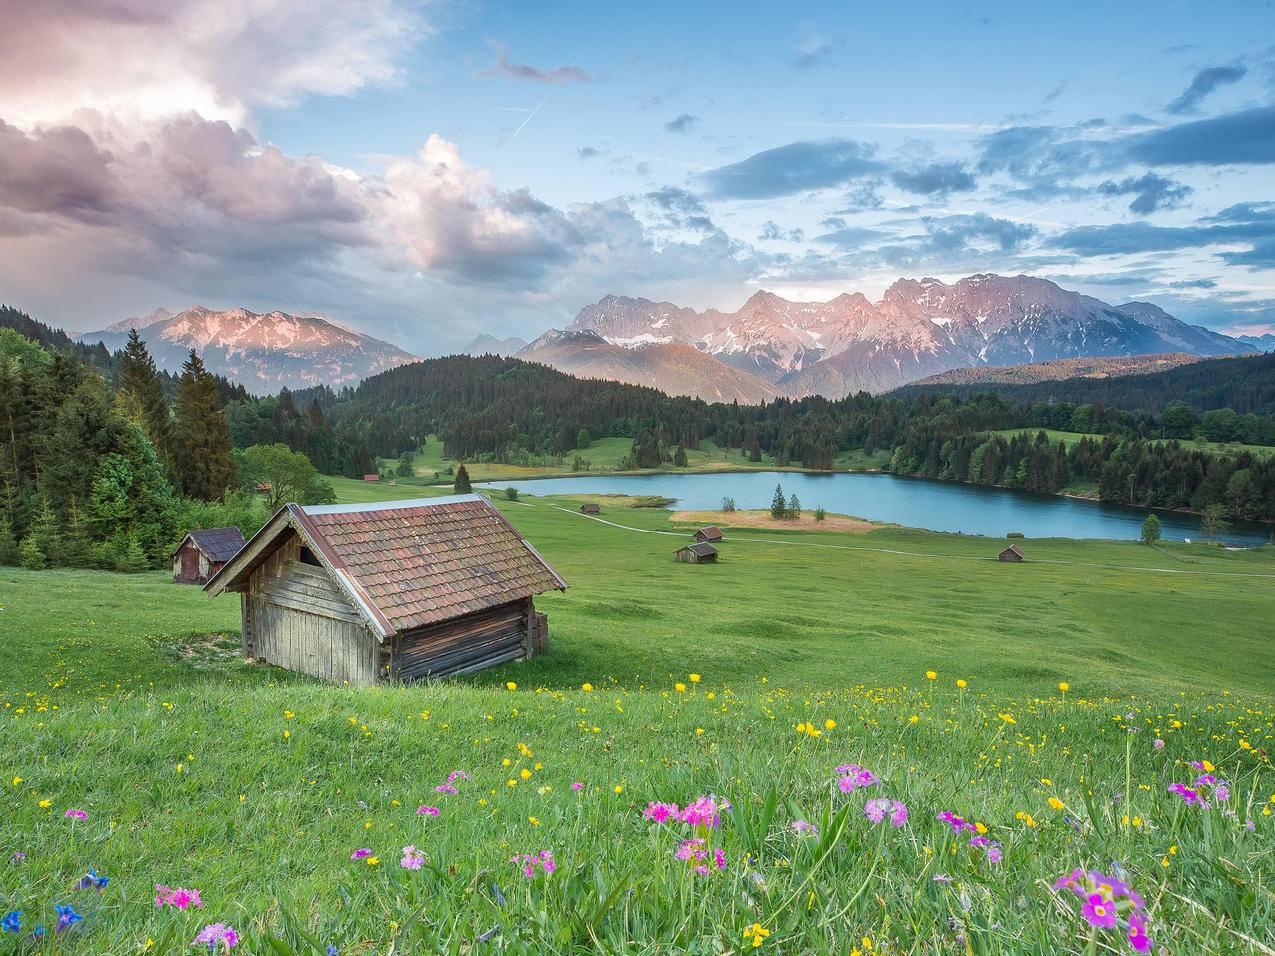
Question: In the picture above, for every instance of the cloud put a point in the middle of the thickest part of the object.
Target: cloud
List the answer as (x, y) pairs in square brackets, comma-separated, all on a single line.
[(521, 71), (851, 238), (1244, 224), (770, 231), (1204, 83), (1244, 137), (935, 179), (1193, 284), (680, 209), (153, 58), (794, 168), (682, 123), (1152, 192), (588, 152)]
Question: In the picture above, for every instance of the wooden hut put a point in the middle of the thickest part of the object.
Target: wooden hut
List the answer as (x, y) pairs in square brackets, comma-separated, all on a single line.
[(202, 553), (1012, 553), (371, 477), (590, 508), (697, 553), (397, 590), (711, 533)]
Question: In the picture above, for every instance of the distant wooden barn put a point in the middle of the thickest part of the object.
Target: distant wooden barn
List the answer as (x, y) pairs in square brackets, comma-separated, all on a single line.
[(1012, 553), (711, 533), (399, 590), (371, 477), (697, 553), (590, 508), (202, 553)]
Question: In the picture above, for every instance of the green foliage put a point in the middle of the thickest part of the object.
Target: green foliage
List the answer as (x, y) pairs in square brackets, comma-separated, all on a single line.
[(461, 485), (679, 457), (405, 467), (8, 544), (30, 556), (1213, 521), (131, 558), (290, 475), (511, 494), (793, 511), (820, 514), (778, 504), (201, 435), (1150, 530), (240, 509), (728, 504)]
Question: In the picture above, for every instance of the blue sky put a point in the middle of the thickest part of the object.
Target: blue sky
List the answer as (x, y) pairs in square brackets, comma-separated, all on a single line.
[(428, 171)]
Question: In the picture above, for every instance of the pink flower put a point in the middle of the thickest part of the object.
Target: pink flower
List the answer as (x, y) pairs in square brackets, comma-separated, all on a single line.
[(361, 854), (1159, 744), (530, 862), (446, 788), (1098, 911), (215, 933), (424, 811), (458, 775), (854, 776), (659, 812), (77, 815), (804, 826), (956, 823), (413, 859), (899, 815), (719, 857), (178, 897), (577, 786), (994, 854), (1138, 934)]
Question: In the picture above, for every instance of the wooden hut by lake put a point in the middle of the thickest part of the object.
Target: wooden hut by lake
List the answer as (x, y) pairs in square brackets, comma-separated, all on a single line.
[(1012, 553), (397, 590), (202, 553), (697, 553), (590, 508), (710, 534), (372, 478)]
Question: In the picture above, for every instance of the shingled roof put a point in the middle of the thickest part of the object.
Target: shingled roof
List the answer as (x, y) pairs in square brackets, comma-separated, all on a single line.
[(217, 544), (406, 564)]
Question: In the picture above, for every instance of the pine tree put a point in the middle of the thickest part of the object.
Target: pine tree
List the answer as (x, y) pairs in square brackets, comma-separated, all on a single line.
[(142, 389), (778, 504), (8, 544), (30, 556), (132, 559), (462, 485), (679, 457), (794, 507), (48, 537), (201, 437)]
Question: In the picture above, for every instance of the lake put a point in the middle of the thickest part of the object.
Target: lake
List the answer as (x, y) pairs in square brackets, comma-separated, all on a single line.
[(914, 502)]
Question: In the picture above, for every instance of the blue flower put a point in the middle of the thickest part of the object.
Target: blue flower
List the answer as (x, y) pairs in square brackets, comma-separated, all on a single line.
[(91, 881), (67, 917), (12, 923), (332, 951)]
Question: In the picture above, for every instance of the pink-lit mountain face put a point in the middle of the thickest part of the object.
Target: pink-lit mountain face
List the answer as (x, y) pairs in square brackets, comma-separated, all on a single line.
[(918, 328), (265, 352)]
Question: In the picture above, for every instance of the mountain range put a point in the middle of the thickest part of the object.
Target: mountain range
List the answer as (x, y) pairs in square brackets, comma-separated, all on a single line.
[(918, 328), (265, 352)]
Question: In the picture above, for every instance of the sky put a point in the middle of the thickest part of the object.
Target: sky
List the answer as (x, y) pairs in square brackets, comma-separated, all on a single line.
[(424, 172)]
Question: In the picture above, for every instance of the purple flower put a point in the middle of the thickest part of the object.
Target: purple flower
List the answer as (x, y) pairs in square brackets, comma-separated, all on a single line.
[(577, 786), (1098, 911), (413, 859), (804, 826), (91, 881), (423, 811), (446, 788), (215, 933), (1159, 744), (956, 823), (994, 854), (361, 854)]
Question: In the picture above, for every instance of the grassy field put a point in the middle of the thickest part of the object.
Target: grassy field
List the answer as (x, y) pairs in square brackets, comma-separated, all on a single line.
[(608, 454), (751, 680), (1211, 447)]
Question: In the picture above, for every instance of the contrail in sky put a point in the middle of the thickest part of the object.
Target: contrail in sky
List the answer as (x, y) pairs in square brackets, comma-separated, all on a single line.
[(529, 117)]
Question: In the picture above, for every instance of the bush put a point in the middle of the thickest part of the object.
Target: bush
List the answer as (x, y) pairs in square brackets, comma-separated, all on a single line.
[(30, 556), (820, 514), (511, 494), (1015, 534), (728, 504), (1151, 530), (131, 559)]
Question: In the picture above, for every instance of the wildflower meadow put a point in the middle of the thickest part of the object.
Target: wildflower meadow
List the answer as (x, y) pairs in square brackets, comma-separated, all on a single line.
[(162, 797)]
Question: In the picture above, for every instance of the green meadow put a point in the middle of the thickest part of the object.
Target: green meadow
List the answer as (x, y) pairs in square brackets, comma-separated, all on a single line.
[(749, 681)]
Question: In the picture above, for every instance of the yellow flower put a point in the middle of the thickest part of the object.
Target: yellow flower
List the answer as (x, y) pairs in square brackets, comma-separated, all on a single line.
[(288, 715), (506, 762), (16, 781), (830, 724), (586, 687), (757, 933), (619, 789), (373, 860), (524, 773), (960, 682), (287, 734), (1064, 686), (510, 685), (45, 804), (1056, 803), (931, 675), (980, 828), (710, 695), (1208, 767), (913, 719), (699, 730), (680, 687), (1008, 718), (695, 678), (534, 821)]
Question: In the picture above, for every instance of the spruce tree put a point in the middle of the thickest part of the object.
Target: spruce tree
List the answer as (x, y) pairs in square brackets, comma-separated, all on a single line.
[(131, 559), (8, 544), (462, 485), (201, 436), (141, 390), (794, 507), (679, 456), (778, 504), (30, 556)]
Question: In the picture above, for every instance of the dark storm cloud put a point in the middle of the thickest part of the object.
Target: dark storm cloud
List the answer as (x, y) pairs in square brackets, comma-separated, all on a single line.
[(1204, 83)]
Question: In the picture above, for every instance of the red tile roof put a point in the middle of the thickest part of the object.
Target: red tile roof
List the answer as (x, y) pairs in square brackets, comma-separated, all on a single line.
[(424, 561)]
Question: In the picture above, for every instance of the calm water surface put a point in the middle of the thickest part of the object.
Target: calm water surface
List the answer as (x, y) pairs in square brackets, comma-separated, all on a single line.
[(914, 502)]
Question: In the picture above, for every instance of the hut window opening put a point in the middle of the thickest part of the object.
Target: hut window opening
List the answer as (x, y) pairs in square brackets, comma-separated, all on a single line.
[(307, 557)]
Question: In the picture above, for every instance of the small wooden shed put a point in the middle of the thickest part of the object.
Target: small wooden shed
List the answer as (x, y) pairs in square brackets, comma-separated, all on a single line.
[(371, 477), (590, 508), (398, 590), (711, 533), (697, 553), (1012, 553), (202, 553)]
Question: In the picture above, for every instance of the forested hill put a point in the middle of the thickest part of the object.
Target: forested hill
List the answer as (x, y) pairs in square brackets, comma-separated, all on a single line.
[(1245, 384)]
